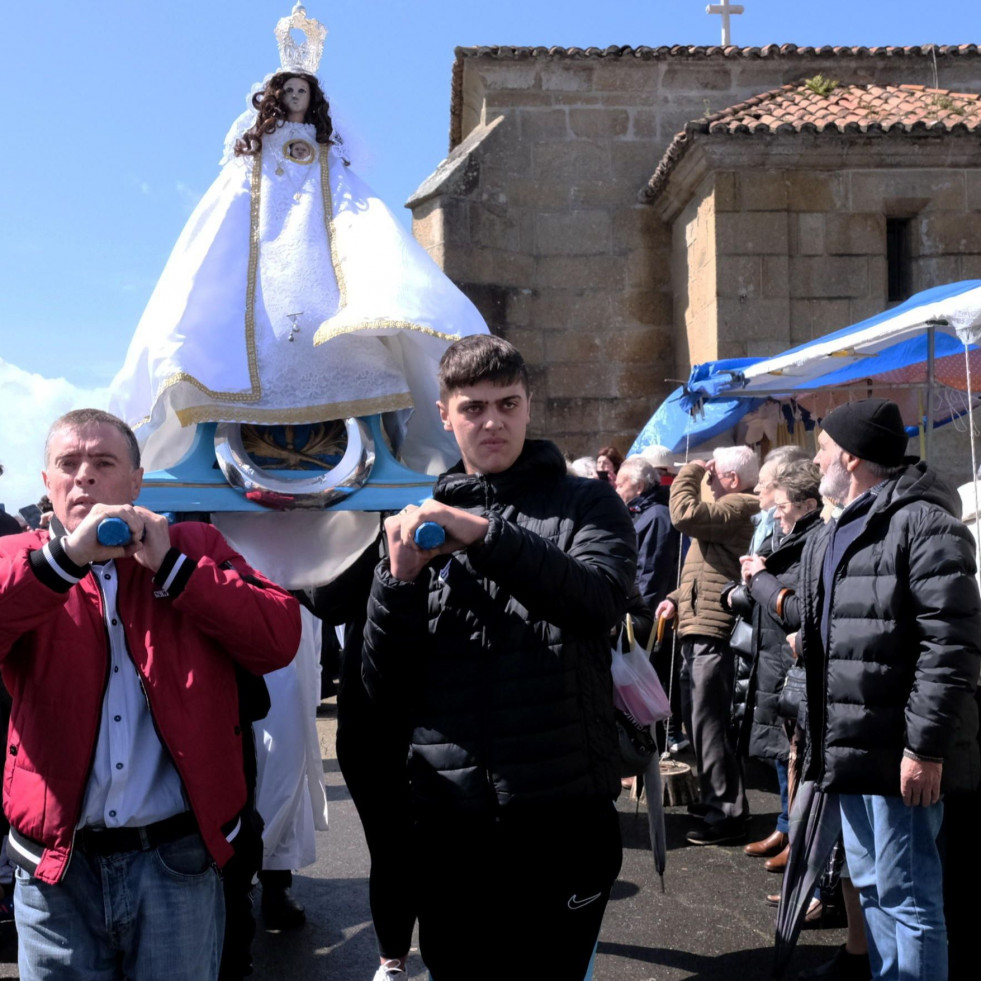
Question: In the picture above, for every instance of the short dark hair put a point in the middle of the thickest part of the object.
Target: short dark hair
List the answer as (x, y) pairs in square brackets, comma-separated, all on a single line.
[(479, 358), (78, 418)]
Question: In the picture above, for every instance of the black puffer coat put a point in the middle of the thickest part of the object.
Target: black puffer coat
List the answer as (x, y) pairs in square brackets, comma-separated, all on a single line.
[(502, 652), (763, 732), (903, 657), (657, 545)]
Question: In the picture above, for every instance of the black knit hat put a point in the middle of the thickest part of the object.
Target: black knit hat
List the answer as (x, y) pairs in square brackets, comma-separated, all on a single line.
[(871, 430)]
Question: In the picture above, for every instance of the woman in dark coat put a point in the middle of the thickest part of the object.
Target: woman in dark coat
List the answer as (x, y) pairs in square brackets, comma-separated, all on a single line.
[(764, 732)]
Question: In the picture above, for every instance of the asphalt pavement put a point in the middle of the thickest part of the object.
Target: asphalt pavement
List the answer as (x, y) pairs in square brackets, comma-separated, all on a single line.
[(710, 923)]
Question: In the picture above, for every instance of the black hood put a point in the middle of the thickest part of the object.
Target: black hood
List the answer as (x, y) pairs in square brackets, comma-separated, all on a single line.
[(918, 482)]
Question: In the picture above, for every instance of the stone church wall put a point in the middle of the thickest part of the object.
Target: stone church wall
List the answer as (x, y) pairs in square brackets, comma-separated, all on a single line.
[(536, 215)]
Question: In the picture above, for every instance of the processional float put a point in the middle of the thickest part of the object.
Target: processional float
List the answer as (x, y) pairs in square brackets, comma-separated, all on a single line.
[(283, 375)]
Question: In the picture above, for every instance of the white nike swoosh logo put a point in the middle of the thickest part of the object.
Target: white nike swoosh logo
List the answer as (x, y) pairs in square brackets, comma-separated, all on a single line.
[(575, 903)]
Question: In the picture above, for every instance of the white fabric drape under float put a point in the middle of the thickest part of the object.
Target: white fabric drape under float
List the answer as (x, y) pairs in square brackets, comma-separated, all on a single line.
[(279, 243), (290, 792)]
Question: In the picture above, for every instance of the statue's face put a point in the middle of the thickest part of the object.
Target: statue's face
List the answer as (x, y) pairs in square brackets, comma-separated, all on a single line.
[(296, 99)]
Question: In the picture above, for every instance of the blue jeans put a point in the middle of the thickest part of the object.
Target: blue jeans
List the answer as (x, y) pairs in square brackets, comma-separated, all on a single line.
[(895, 865), (150, 915)]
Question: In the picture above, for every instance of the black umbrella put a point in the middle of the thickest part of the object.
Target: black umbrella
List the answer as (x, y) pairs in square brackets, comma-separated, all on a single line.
[(815, 824)]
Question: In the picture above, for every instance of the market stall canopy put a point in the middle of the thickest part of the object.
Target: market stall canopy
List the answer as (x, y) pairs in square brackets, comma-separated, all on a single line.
[(894, 354)]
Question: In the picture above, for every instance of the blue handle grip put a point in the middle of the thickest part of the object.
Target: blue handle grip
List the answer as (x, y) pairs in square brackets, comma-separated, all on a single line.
[(429, 535), (113, 532)]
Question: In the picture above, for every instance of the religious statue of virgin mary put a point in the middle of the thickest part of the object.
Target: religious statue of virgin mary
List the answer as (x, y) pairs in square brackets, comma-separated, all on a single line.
[(293, 295)]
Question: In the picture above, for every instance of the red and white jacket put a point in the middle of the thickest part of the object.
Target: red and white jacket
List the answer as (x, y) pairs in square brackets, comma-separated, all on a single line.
[(203, 610)]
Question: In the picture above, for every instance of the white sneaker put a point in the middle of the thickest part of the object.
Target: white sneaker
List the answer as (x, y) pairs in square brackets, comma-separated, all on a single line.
[(388, 972), (679, 744)]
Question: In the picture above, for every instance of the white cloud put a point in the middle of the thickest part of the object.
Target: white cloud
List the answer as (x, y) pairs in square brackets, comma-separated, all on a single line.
[(29, 403)]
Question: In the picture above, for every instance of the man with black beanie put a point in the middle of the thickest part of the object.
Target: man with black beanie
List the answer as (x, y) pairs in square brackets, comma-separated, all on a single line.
[(889, 630)]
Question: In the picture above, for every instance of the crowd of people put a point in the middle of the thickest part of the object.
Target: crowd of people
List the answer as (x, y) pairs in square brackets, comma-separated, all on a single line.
[(827, 615)]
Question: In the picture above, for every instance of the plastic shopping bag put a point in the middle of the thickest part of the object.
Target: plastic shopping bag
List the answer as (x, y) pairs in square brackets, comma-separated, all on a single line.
[(636, 687)]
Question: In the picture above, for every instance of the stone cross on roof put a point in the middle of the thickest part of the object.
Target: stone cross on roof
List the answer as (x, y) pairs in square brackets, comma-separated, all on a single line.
[(725, 9)]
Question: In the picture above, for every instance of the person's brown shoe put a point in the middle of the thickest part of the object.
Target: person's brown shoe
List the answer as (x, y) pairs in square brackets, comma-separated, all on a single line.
[(770, 845), (779, 862)]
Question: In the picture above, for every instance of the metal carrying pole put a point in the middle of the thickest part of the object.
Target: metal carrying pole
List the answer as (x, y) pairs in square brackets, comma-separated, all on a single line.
[(931, 378)]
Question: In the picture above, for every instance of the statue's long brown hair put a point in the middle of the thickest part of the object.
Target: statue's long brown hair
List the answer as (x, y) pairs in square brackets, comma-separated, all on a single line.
[(272, 112)]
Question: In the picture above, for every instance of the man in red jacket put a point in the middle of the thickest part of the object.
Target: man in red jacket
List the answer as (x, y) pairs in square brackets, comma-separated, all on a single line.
[(123, 781)]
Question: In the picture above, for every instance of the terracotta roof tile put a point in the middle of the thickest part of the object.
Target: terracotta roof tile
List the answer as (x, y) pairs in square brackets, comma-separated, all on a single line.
[(846, 109)]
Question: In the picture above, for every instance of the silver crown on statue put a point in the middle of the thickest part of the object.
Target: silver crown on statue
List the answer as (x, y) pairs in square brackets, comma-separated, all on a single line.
[(303, 56)]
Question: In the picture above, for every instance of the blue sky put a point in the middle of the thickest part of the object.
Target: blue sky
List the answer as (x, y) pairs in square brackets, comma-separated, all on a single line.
[(115, 114)]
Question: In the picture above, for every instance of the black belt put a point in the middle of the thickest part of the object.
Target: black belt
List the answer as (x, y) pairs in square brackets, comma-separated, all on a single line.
[(108, 841)]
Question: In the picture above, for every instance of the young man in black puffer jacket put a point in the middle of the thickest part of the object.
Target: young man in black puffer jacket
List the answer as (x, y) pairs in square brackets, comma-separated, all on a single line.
[(496, 647)]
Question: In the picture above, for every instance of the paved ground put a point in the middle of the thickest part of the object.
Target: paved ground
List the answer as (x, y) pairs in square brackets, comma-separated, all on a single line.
[(711, 923)]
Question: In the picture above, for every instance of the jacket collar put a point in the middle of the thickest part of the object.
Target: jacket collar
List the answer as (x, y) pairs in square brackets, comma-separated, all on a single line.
[(539, 462)]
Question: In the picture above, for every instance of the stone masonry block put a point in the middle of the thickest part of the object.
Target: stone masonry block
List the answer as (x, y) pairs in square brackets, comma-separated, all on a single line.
[(521, 75), (634, 381), (761, 232), (625, 415), (643, 307), (854, 234), (543, 124), (970, 267), (934, 271), (724, 192), (640, 344), (828, 276), (531, 343), (945, 232), (639, 227), (810, 233), (603, 193), (537, 195), (739, 276), (643, 124), (973, 189), (569, 161), (519, 307), (573, 233), (600, 272), (751, 318), (575, 345), (598, 124), (878, 279), (696, 77), (621, 75), (816, 191), (776, 275), (566, 76), (888, 190), (573, 415), (763, 190), (593, 379), (493, 230), (633, 161), (702, 292), (647, 270), (813, 318), (562, 309), (863, 307), (427, 224)]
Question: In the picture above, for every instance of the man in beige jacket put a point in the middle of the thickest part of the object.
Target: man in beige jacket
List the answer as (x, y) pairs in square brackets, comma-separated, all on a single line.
[(720, 530)]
